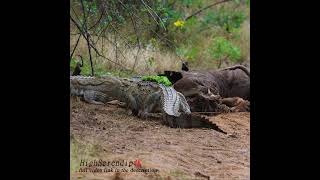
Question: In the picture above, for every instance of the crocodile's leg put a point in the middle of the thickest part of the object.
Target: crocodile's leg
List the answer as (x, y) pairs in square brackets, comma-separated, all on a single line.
[(165, 119), (131, 103), (150, 104), (94, 97), (170, 120)]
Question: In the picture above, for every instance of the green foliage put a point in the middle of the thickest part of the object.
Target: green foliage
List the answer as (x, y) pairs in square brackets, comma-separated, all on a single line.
[(187, 2), (189, 53), (85, 70), (222, 48), (158, 79), (192, 3), (224, 18), (100, 70), (215, 33), (73, 64), (247, 2)]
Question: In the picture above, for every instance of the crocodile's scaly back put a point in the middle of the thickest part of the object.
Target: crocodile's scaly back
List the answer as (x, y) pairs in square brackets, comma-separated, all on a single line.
[(142, 97)]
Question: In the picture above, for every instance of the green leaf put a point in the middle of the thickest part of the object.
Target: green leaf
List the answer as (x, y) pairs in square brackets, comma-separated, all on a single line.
[(221, 48)]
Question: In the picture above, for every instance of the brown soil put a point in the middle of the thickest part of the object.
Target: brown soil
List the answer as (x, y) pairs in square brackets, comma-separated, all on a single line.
[(176, 153)]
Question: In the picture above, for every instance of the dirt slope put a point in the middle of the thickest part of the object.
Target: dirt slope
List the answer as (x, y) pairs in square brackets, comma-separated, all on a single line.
[(108, 133)]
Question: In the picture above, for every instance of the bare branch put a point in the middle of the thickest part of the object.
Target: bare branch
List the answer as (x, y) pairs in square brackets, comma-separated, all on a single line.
[(75, 47), (168, 42), (155, 14), (93, 47), (99, 20), (138, 41), (207, 7)]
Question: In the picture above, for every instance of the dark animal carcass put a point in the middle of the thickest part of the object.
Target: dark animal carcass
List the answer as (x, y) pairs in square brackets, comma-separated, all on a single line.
[(205, 90), (229, 82)]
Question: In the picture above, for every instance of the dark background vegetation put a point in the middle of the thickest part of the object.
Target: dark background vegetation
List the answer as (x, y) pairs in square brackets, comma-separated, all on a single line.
[(146, 37)]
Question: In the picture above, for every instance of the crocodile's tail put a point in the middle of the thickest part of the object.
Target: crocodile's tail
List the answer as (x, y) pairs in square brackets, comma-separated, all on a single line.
[(173, 103), (191, 121)]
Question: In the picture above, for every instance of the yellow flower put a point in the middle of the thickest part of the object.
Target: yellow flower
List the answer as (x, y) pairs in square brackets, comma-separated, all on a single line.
[(179, 23)]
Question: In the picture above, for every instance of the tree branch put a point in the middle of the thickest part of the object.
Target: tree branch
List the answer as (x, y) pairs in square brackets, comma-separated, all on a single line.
[(94, 48), (207, 7), (75, 47)]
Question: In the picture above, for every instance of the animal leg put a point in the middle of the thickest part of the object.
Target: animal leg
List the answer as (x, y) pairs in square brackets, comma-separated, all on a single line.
[(92, 97)]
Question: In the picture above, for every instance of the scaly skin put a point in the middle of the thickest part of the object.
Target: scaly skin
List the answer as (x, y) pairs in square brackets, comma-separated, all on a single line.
[(141, 97)]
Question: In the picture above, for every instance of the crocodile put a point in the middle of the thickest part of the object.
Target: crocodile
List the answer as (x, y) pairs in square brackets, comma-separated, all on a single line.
[(142, 98)]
